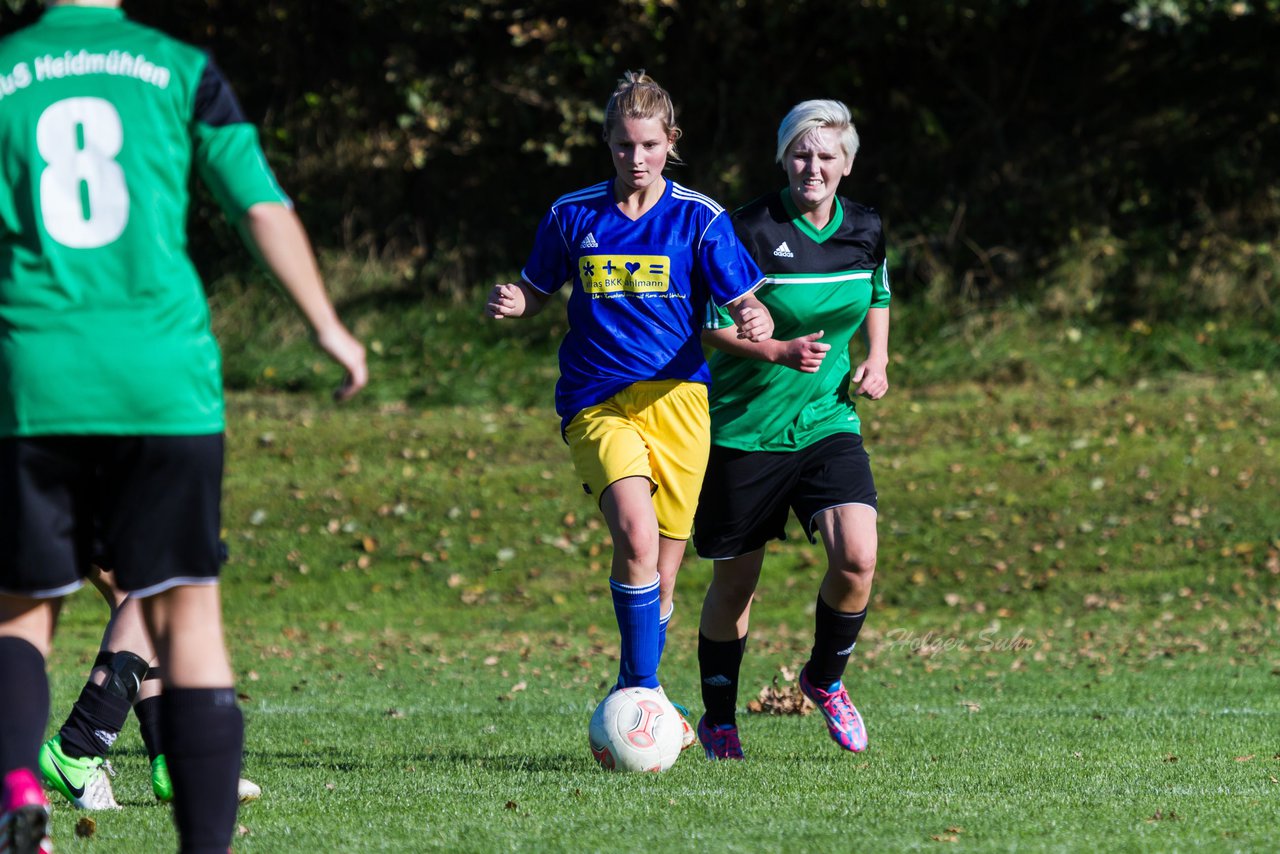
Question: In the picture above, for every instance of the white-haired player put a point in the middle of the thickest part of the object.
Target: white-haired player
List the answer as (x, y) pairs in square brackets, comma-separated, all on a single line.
[(785, 430)]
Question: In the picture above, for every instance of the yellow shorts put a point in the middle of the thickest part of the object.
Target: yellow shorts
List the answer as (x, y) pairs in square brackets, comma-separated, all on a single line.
[(660, 430)]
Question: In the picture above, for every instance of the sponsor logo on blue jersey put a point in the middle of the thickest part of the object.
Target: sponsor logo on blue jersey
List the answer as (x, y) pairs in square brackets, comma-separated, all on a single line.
[(625, 274)]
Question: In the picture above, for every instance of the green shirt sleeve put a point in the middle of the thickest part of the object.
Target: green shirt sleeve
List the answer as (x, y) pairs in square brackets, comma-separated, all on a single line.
[(717, 317), (231, 163), (226, 150), (880, 293)]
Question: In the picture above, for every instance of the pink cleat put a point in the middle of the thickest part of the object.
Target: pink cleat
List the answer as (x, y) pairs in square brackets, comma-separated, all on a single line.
[(843, 721), (719, 741), (24, 822)]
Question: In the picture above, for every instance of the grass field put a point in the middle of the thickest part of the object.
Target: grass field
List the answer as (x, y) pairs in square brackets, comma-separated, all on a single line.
[(1072, 644)]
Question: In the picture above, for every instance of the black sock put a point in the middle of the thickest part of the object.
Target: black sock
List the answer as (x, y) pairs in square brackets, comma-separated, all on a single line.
[(719, 663), (95, 721), (148, 714), (26, 704), (202, 731), (834, 634)]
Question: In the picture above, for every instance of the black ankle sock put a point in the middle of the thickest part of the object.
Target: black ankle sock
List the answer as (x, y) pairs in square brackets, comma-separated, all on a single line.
[(719, 663), (148, 714), (202, 731), (95, 721), (26, 704), (834, 634)]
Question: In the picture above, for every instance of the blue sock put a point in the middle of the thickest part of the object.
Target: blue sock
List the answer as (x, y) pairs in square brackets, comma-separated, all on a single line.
[(663, 622), (637, 609)]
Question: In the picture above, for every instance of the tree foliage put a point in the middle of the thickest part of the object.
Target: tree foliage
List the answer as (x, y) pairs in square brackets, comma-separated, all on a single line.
[(1096, 156)]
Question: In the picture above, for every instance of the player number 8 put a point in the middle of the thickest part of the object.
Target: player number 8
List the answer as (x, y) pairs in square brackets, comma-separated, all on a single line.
[(84, 200)]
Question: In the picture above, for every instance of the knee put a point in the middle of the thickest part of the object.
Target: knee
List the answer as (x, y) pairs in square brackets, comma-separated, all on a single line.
[(856, 566), (637, 544), (735, 592), (29, 620), (16, 638)]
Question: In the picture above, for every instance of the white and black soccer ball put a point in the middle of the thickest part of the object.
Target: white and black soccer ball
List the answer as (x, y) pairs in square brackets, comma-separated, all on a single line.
[(635, 729)]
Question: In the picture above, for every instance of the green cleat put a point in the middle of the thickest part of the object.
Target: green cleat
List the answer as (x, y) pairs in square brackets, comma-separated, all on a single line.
[(83, 781), (163, 787)]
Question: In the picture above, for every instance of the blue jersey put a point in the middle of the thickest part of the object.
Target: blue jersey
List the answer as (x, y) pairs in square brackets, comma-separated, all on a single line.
[(641, 288)]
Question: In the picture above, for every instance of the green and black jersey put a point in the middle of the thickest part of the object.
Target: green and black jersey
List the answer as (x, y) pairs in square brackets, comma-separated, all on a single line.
[(814, 280), (104, 327)]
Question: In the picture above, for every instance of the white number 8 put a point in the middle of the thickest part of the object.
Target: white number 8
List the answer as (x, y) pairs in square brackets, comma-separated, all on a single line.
[(84, 200)]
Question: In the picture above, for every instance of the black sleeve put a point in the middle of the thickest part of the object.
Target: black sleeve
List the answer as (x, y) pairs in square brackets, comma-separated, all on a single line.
[(216, 104)]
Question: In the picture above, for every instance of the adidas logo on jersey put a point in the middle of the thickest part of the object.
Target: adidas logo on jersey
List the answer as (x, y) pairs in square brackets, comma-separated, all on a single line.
[(784, 251), (589, 242)]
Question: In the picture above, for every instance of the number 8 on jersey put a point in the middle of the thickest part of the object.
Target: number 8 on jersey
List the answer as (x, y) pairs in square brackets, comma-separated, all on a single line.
[(84, 200)]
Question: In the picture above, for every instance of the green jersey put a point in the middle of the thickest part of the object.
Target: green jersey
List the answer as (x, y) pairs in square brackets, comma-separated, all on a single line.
[(814, 280), (104, 328)]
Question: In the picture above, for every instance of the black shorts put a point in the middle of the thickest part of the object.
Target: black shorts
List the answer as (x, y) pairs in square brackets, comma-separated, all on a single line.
[(148, 507), (746, 494)]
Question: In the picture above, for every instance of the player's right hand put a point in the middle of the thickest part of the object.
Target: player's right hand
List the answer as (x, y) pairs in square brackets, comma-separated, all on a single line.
[(755, 324), (343, 348), (505, 301), (804, 354)]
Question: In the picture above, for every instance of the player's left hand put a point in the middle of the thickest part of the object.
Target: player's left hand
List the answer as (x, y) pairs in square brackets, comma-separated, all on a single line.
[(343, 348), (870, 380)]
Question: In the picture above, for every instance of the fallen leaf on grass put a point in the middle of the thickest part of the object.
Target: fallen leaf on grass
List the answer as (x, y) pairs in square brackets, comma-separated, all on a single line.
[(395, 714), (86, 827), (515, 689), (1245, 758), (940, 838), (781, 700), (1163, 816), (512, 805), (241, 830)]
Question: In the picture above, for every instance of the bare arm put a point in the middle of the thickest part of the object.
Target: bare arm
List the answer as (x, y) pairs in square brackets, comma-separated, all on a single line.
[(870, 378), (515, 299), (802, 354), (275, 234)]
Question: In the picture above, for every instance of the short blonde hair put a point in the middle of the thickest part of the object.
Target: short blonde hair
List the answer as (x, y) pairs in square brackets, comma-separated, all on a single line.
[(638, 96), (810, 115)]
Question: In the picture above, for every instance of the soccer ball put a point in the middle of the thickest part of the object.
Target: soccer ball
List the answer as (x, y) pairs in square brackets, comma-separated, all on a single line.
[(635, 729)]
